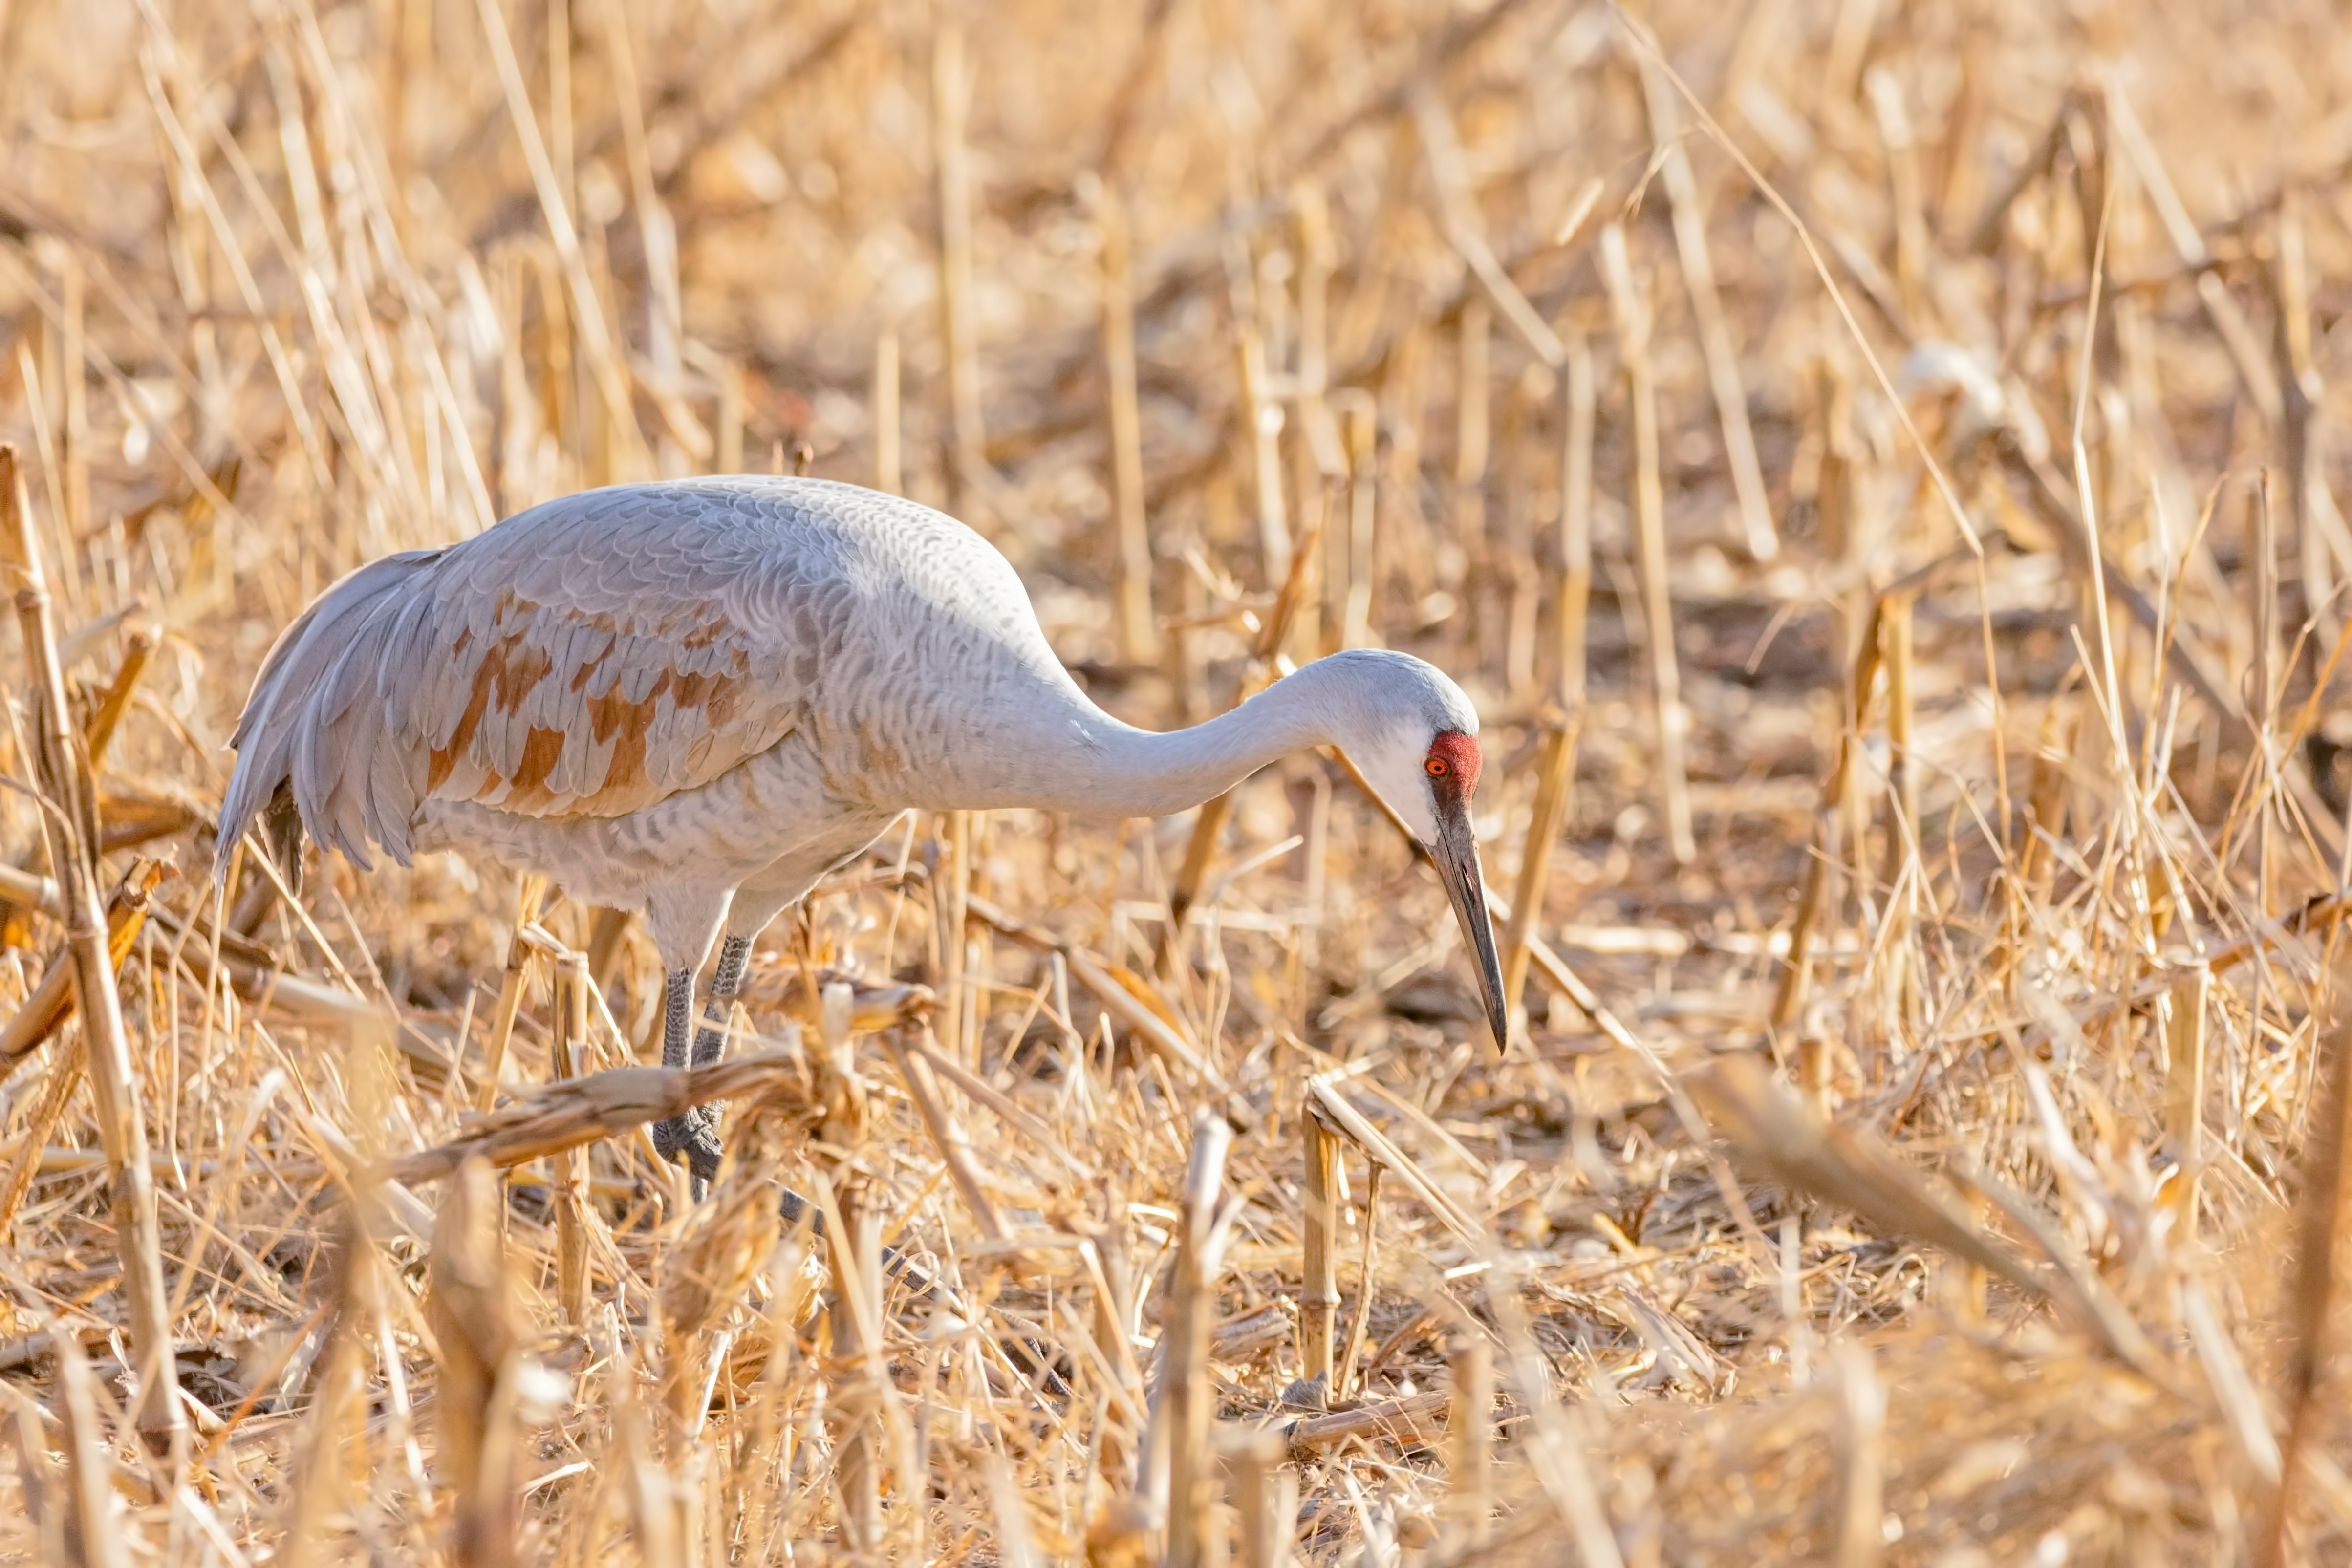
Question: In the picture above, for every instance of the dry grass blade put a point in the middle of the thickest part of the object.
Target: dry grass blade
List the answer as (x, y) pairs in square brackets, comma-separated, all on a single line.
[(1470, 1425), (510, 999), (1139, 628), (1445, 152), (69, 825), (43, 1014), (1160, 1036), (2319, 1224), (1632, 311), (1855, 1171), (1187, 1407), (1515, 337), (471, 1309), (860, 1394), (872, 1008), (1706, 307), (1367, 1287), (566, 1115), (1265, 1494), (1318, 1234), (99, 730), (567, 1052), (320, 1470), (948, 1137), (985, 1093), (2228, 320), (604, 362), (2185, 1015), (44, 1506), (1862, 1461), (727, 1240), (1552, 791), (94, 1533), (952, 90), (1788, 998), (1311, 1435), (2083, 1295), (29, 892), (1376, 1145), (52, 1002)]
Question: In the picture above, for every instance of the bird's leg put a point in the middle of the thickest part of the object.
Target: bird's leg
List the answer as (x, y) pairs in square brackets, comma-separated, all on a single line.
[(696, 1134), (699, 1126), (677, 1008), (712, 1043)]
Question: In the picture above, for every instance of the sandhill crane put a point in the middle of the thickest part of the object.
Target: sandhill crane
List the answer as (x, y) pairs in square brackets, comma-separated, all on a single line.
[(694, 698)]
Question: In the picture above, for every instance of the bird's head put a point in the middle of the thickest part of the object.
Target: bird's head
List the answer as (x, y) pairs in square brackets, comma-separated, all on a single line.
[(1416, 742)]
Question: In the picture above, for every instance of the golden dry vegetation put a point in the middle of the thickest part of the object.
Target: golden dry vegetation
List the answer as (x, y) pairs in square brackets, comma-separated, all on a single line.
[(1870, 462)]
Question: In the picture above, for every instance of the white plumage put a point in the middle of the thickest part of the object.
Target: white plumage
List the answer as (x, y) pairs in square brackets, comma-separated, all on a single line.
[(694, 698)]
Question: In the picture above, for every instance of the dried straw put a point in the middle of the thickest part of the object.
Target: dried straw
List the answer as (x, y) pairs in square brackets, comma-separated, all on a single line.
[(1248, 335)]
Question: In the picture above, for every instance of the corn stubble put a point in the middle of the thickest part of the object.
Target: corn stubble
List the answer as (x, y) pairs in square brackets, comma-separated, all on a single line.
[(1874, 465)]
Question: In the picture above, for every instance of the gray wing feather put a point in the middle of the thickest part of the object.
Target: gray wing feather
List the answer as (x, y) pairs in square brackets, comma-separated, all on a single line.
[(266, 732), (588, 657), (331, 760)]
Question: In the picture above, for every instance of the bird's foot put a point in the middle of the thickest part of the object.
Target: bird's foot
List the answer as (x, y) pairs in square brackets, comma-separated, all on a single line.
[(694, 1136), (1308, 1394)]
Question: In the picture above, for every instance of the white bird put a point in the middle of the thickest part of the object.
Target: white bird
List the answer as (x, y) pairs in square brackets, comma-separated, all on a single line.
[(694, 698)]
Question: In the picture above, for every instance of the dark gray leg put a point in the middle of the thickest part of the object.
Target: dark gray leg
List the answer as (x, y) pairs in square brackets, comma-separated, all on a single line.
[(701, 1123), (677, 1007), (734, 952), (696, 1134)]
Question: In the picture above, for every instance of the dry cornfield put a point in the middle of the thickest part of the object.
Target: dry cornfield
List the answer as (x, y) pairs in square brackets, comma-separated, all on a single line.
[(1871, 463)]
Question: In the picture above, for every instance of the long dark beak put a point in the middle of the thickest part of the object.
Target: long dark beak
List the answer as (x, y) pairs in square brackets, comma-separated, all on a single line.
[(1455, 855)]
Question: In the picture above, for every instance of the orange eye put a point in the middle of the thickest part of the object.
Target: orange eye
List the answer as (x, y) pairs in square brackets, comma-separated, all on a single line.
[(1436, 767)]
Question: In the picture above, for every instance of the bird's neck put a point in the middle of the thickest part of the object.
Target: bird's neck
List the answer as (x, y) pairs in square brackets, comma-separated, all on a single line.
[(1114, 769)]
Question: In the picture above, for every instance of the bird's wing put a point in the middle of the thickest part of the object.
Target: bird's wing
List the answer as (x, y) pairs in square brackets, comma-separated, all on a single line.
[(588, 658)]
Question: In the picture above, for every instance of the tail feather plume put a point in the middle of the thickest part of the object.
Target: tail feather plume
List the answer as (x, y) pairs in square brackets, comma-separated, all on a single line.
[(307, 720), (281, 829)]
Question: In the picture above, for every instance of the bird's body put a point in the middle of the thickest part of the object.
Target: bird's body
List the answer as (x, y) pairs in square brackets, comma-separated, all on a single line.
[(694, 698)]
